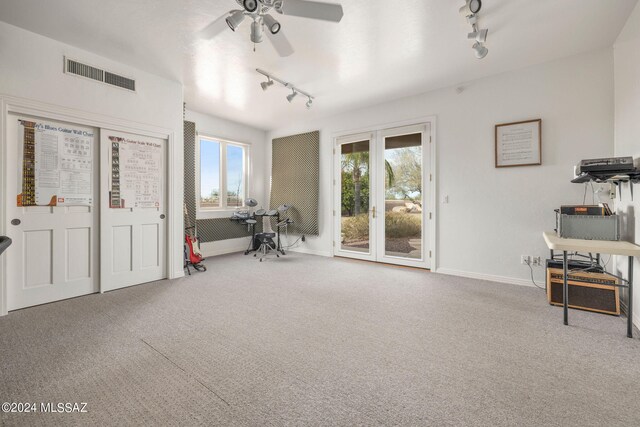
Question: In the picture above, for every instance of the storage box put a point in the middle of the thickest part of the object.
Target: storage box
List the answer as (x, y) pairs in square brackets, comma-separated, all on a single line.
[(589, 227)]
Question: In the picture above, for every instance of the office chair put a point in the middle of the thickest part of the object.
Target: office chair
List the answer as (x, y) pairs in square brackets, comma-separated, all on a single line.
[(5, 242)]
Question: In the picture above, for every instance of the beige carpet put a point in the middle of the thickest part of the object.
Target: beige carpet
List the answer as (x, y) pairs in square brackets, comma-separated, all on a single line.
[(307, 340)]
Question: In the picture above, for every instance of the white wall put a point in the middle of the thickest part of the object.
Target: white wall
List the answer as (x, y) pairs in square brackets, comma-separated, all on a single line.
[(31, 66), (627, 131), (494, 215), (226, 129)]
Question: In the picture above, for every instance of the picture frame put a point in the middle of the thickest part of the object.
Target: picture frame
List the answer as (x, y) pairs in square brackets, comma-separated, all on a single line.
[(518, 144)]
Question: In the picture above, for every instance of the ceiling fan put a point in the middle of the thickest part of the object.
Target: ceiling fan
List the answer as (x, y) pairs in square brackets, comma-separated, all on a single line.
[(258, 12)]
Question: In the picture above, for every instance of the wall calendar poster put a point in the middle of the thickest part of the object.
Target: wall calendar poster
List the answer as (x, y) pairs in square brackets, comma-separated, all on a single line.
[(57, 165), (136, 172)]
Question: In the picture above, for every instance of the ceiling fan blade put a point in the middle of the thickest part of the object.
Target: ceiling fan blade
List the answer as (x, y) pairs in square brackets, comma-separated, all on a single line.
[(215, 28), (280, 43), (312, 9)]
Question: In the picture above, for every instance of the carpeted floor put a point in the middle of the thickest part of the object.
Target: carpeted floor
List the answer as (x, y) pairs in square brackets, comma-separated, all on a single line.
[(306, 340)]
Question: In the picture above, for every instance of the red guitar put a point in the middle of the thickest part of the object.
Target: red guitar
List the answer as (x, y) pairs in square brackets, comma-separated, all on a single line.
[(192, 254)]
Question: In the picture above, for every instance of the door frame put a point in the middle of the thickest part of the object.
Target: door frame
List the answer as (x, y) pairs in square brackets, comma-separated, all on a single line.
[(431, 251), (16, 105)]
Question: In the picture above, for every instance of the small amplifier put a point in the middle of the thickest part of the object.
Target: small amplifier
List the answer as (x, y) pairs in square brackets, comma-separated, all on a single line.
[(587, 291)]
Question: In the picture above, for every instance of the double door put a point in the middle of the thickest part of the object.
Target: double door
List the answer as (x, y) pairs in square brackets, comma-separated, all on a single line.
[(69, 236), (382, 194)]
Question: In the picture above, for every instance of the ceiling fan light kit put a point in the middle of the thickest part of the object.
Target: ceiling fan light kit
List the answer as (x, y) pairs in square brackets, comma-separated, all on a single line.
[(235, 19), (470, 12), (294, 90), (271, 23), (250, 5), (258, 12)]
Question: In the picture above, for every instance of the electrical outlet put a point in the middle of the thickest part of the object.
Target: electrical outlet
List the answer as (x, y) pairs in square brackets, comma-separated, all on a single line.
[(525, 259), (536, 261)]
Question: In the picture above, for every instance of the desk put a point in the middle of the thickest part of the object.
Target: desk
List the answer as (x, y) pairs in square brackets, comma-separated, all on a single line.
[(628, 249)]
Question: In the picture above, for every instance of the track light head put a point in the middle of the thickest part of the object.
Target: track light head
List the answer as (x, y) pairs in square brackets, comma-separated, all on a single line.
[(480, 50), (235, 19), (271, 23), (471, 7), (250, 5), (266, 85), (479, 35), (309, 103), (292, 95)]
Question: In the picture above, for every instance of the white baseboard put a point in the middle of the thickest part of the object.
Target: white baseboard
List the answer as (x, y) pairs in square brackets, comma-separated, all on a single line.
[(223, 247), (311, 252), (489, 277)]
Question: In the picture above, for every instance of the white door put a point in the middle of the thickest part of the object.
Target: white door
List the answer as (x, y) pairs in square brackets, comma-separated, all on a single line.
[(402, 192), (382, 193), (354, 207), (133, 209), (54, 255)]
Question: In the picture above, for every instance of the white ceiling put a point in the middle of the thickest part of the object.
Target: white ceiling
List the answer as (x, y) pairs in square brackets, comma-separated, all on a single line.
[(382, 49)]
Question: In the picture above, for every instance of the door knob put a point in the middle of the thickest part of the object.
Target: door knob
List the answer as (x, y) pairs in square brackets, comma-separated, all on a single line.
[(162, 216), (15, 221)]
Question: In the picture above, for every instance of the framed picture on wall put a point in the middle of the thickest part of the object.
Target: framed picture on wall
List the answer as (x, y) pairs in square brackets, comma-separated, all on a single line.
[(519, 144)]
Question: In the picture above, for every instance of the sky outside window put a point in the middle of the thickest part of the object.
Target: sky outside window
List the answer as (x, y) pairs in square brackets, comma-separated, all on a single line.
[(209, 173)]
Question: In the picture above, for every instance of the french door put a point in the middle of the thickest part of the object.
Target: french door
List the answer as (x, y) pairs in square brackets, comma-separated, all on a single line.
[(382, 194)]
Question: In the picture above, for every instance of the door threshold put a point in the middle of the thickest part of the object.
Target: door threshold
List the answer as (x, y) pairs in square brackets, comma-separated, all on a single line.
[(383, 263)]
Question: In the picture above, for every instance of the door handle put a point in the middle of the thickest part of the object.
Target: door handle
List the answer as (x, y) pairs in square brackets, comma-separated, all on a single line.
[(373, 212), (15, 221), (162, 216)]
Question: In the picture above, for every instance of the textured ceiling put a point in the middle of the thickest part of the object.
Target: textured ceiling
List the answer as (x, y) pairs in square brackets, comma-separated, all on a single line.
[(381, 50)]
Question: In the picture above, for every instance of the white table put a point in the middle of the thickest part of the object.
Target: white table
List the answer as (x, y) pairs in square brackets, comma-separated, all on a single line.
[(622, 248)]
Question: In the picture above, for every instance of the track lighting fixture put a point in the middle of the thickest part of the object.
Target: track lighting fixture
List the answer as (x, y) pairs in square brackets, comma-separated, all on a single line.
[(292, 95), (480, 36), (470, 11), (480, 50), (266, 85), (235, 19), (271, 23), (294, 90)]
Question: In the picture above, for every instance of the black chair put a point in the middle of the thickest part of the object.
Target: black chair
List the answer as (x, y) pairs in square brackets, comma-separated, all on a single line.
[(267, 245), (5, 242)]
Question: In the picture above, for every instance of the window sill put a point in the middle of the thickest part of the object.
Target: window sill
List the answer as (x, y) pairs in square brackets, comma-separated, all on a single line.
[(215, 214)]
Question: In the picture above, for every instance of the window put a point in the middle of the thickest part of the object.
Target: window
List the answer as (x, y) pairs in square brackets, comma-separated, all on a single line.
[(223, 174)]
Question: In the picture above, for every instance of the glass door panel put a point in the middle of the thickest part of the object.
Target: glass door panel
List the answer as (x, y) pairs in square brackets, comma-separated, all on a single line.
[(355, 193), (403, 196)]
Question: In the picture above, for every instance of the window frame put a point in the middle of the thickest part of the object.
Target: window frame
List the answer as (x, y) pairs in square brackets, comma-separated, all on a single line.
[(223, 210)]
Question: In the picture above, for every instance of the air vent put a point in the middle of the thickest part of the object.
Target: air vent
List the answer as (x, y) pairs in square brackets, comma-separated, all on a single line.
[(84, 70), (93, 73), (120, 81)]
